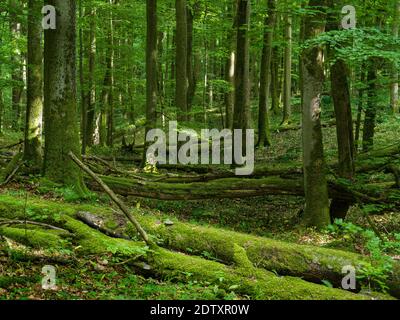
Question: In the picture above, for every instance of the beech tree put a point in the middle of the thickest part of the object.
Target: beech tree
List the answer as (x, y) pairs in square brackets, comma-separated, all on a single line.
[(34, 107), (181, 92), (241, 115), (316, 211), (60, 98), (264, 135)]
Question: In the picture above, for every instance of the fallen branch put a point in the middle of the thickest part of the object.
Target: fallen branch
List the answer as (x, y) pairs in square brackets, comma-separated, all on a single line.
[(12, 145), (7, 222), (114, 198)]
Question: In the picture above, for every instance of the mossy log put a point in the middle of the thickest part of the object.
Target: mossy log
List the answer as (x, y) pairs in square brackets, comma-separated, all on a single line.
[(242, 276), (241, 188), (248, 257), (311, 263)]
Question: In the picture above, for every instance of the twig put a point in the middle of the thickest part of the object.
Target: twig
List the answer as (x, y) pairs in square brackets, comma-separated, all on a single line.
[(34, 223), (12, 145), (11, 176)]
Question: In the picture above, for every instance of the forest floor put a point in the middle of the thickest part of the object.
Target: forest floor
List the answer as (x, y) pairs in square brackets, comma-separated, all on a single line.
[(275, 217)]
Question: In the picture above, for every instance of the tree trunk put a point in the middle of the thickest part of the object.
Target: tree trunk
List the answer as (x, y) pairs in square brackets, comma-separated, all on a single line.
[(264, 135), (340, 92), (287, 82), (61, 126), (110, 67), (241, 116), (34, 109), (394, 92), (91, 100), (316, 212), (83, 103), (274, 81), (151, 69), (190, 71), (181, 92), (359, 109), (370, 113), (17, 71)]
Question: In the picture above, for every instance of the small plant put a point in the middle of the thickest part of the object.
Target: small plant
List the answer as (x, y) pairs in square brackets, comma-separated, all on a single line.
[(377, 271)]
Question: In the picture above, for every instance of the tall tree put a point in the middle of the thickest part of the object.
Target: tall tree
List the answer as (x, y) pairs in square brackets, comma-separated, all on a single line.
[(394, 92), (110, 79), (190, 71), (370, 112), (287, 82), (91, 96), (16, 61), (241, 114), (181, 60), (151, 68), (230, 66), (61, 118), (34, 107), (264, 136), (340, 92), (316, 212)]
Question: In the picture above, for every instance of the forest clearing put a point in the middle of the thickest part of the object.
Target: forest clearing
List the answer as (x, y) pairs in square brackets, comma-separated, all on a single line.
[(229, 150)]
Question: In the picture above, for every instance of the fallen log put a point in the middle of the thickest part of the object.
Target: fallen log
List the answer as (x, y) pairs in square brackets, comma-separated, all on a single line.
[(242, 277), (312, 263), (243, 188)]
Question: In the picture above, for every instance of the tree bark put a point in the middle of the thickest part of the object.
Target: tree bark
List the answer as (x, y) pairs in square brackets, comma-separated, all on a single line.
[(264, 135), (17, 71), (61, 125), (181, 91), (394, 92), (151, 69), (370, 113), (34, 109), (340, 92), (241, 116), (316, 212), (287, 82), (91, 100)]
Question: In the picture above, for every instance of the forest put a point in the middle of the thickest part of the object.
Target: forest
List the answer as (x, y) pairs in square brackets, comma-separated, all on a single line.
[(199, 150)]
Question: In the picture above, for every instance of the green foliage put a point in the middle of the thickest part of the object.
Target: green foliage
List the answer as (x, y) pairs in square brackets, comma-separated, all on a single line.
[(375, 274)]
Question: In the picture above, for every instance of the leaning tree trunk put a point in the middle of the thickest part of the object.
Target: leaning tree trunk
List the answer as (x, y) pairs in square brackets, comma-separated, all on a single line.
[(181, 60), (61, 126), (264, 135), (34, 107), (316, 212)]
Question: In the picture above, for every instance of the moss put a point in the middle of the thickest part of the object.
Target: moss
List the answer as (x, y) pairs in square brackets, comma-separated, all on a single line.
[(34, 238), (241, 260), (286, 258), (259, 284)]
